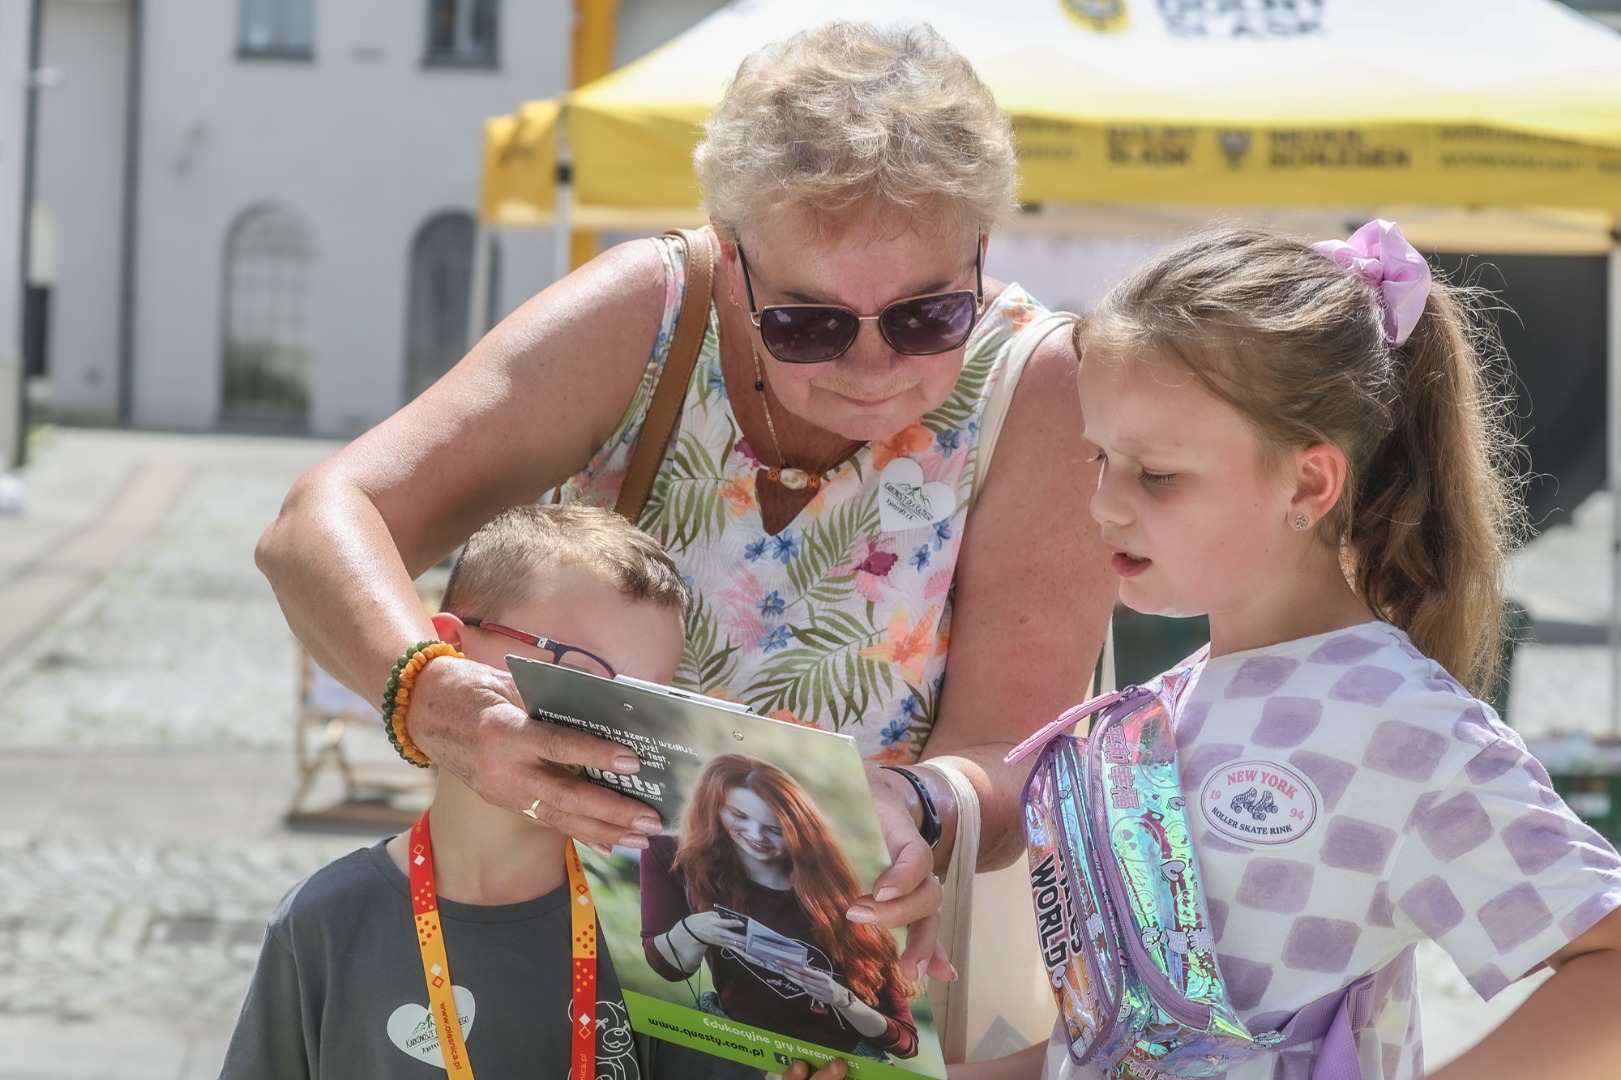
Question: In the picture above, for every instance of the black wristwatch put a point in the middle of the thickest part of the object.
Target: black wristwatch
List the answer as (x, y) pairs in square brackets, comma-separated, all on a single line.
[(929, 828)]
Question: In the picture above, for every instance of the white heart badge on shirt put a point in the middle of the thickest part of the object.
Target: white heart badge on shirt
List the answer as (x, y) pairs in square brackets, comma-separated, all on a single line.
[(411, 1027), (905, 501)]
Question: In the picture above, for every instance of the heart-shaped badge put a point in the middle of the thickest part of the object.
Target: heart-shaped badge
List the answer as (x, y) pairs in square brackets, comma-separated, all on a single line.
[(906, 502), (411, 1027)]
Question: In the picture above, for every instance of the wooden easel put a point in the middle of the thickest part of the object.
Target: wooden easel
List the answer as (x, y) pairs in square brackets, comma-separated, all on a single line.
[(386, 794)]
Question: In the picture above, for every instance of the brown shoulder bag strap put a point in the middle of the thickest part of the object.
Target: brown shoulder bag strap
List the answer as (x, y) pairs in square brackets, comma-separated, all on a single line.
[(671, 391)]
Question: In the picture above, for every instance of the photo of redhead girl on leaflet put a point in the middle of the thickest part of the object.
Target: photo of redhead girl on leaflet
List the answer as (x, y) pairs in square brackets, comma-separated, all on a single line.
[(756, 885)]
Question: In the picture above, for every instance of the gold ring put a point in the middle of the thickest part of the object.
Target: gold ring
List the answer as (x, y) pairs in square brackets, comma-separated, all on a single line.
[(529, 811)]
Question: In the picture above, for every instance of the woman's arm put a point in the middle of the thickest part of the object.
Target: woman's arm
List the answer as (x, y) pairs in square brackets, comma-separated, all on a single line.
[(664, 905), (524, 410), (1033, 597), (685, 944), (675, 938), (887, 1024), (1567, 1027), (899, 1036)]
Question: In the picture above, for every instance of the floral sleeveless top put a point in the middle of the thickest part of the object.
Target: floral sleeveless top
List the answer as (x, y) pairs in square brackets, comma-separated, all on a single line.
[(841, 620)]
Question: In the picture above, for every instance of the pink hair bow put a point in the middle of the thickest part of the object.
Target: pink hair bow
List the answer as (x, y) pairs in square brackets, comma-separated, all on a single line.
[(1380, 255)]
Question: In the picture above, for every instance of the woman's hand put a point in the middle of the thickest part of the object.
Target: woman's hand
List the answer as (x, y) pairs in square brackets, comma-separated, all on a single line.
[(819, 984), (468, 718), (907, 894), (714, 928), (684, 944)]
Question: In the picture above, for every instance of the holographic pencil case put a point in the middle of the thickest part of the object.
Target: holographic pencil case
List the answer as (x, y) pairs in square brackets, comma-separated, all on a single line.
[(1122, 917)]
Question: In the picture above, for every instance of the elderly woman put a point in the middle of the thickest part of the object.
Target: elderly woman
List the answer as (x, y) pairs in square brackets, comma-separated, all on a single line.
[(823, 492)]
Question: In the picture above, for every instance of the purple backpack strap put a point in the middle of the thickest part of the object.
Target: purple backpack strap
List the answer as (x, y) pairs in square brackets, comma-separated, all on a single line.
[(1068, 719), (1076, 713), (1335, 1019)]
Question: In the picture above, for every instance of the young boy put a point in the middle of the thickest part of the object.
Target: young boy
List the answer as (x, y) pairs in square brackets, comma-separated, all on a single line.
[(340, 991)]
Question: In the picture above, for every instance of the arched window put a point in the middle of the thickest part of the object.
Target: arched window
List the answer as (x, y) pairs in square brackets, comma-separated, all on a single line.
[(269, 320), (438, 306)]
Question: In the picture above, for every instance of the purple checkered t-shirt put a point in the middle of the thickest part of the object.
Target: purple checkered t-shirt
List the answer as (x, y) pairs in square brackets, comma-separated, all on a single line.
[(1348, 799)]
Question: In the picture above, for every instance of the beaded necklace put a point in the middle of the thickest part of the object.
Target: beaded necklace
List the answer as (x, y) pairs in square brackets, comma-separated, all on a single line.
[(782, 473)]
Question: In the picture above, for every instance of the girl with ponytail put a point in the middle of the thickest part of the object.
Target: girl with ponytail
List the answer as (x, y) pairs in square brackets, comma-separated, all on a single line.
[(1304, 443)]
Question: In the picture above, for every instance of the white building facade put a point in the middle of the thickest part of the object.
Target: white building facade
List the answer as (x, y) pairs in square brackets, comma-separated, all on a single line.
[(15, 25), (260, 212)]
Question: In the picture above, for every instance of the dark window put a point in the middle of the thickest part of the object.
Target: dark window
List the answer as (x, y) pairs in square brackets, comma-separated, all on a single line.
[(277, 29), (269, 321), (463, 32), (438, 328)]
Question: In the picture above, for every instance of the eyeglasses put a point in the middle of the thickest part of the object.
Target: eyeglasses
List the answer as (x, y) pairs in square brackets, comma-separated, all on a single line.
[(576, 657), (915, 325)]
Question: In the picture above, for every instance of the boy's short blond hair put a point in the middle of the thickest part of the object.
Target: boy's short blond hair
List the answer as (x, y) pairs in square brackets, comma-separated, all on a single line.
[(504, 558)]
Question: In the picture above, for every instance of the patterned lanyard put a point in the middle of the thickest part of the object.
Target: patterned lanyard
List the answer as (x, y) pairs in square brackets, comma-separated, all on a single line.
[(436, 965)]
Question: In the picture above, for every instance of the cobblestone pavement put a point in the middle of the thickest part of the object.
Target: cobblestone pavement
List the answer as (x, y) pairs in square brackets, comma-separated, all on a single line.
[(94, 926), (146, 750), (180, 644), (147, 736)]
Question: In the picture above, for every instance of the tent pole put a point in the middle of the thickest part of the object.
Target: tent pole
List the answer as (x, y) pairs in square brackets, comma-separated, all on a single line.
[(563, 220), (1613, 432)]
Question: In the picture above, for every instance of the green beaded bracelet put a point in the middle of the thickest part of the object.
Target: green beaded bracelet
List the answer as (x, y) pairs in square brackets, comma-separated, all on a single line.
[(390, 689)]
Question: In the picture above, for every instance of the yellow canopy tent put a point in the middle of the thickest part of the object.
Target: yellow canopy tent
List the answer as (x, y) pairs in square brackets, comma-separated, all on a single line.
[(1482, 125), (1473, 103)]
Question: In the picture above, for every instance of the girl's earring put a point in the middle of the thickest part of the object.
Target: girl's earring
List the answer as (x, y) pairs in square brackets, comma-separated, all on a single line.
[(1301, 521)]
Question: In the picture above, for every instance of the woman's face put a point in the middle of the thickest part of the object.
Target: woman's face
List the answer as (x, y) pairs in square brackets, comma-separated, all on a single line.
[(872, 391), (753, 826)]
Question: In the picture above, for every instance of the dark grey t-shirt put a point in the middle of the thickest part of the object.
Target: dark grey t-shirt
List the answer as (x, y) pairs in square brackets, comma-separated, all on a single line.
[(339, 991)]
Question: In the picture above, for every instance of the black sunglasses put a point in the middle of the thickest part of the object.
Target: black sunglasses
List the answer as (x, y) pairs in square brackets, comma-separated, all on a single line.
[(578, 658), (915, 325)]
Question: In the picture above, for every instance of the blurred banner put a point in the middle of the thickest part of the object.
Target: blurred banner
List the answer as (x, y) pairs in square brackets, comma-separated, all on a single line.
[(1357, 103), (1483, 126)]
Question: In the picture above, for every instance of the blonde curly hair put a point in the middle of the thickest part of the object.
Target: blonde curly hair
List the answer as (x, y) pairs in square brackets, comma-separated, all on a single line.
[(847, 120)]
